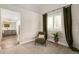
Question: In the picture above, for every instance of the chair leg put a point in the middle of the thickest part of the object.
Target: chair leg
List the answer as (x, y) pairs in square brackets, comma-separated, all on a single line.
[(35, 42), (45, 44)]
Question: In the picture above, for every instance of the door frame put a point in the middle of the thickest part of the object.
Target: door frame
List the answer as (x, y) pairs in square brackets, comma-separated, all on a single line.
[(19, 17)]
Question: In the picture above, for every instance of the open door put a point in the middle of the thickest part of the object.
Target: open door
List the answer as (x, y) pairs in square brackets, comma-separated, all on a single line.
[(10, 27)]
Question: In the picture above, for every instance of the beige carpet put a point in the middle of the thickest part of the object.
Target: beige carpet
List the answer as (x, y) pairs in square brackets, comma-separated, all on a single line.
[(30, 48), (9, 41)]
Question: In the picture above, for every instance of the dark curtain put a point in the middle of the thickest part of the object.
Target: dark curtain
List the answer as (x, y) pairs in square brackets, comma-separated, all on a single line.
[(45, 25), (68, 26)]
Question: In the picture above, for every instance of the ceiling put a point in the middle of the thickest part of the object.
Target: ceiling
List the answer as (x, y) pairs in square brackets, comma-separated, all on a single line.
[(33, 7), (41, 8)]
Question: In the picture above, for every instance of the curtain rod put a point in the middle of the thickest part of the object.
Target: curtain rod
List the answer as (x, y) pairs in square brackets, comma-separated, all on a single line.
[(58, 8)]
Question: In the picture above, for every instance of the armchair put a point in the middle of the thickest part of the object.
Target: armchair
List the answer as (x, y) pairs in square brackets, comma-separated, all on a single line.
[(40, 38)]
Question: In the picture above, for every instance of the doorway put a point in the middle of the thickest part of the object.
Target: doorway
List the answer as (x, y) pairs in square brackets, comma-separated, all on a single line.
[(10, 27)]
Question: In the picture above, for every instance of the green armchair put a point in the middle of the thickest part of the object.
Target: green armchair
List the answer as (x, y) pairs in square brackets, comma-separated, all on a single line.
[(40, 38)]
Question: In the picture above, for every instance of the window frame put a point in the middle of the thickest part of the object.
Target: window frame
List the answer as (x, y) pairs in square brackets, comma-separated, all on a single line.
[(53, 14)]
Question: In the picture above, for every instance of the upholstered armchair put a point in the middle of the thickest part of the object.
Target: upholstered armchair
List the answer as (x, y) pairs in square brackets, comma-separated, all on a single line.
[(40, 38)]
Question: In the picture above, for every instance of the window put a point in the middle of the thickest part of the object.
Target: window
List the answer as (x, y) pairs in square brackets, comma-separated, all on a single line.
[(54, 21), (50, 22), (57, 21)]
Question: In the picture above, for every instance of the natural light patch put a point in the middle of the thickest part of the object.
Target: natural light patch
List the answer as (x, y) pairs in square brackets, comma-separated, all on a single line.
[(54, 22), (57, 21), (50, 22)]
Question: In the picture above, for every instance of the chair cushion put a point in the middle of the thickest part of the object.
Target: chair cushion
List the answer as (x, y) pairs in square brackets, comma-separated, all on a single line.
[(41, 36)]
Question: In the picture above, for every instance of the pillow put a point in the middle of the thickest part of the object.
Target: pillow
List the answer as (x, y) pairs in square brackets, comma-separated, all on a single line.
[(41, 36)]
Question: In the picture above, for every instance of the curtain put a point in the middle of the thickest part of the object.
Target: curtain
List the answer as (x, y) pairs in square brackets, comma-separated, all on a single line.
[(68, 26), (45, 25)]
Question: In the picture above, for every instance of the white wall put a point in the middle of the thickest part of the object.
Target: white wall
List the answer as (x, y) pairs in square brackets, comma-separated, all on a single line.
[(29, 22), (29, 26), (75, 21), (13, 26)]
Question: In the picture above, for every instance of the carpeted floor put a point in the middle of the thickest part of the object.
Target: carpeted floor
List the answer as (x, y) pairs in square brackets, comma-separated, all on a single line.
[(30, 48), (8, 42)]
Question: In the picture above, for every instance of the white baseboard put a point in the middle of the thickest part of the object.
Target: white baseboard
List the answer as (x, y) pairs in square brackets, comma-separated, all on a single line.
[(60, 43), (63, 44), (22, 42)]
